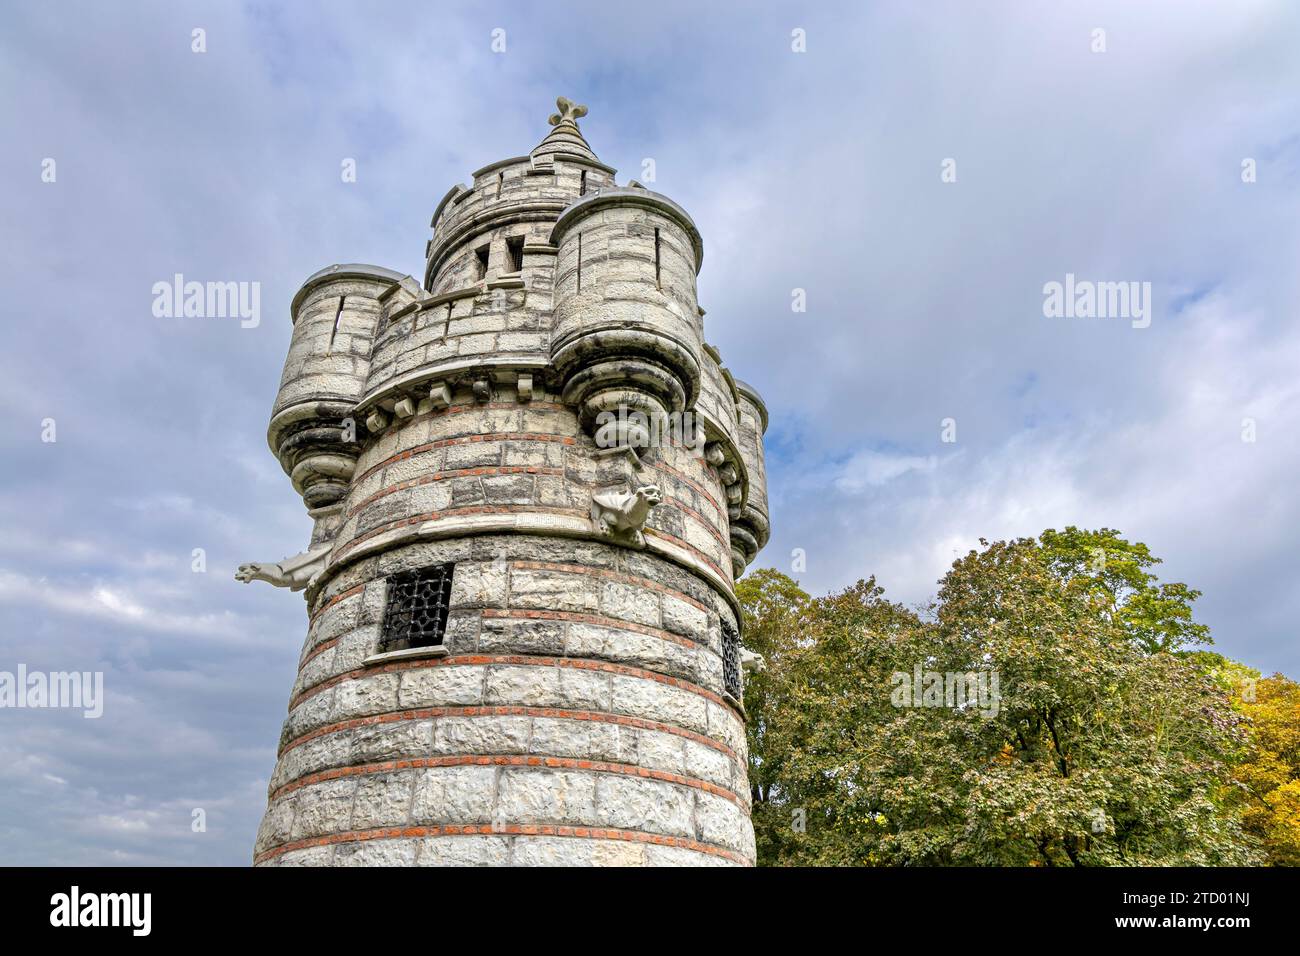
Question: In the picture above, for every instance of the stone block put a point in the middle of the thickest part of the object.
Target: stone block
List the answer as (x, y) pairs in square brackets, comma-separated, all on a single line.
[(459, 685), (528, 795), (395, 740), (648, 699), (634, 803), (486, 734), (553, 591), (583, 739), (628, 603), (479, 454), (683, 618), (363, 696), (453, 795), (323, 808), (723, 823), (464, 851), (382, 800), (480, 584), (523, 686), (507, 636), (574, 851), (378, 852)]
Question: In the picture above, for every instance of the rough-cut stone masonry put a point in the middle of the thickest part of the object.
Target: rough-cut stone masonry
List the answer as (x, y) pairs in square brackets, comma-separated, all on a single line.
[(577, 710)]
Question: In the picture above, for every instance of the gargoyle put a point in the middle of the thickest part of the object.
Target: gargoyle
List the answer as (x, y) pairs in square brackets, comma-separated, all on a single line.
[(294, 573), (749, 661), (621, 515)]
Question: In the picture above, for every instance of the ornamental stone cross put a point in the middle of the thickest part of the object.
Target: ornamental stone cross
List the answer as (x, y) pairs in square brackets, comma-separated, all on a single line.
[(569, 112)]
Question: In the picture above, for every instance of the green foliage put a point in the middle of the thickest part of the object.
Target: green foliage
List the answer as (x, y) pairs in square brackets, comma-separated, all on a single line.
[(1157, 616), (1105, 745), (1269, 773)]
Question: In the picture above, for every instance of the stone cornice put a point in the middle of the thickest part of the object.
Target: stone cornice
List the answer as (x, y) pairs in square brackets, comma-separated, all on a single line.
[(500, 164), (453, 191), (418, 380), (551, 525), (577, 159), (351, 270)]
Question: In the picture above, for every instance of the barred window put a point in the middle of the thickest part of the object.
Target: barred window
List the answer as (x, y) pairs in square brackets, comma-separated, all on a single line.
[(416, 611), (731, 659), (515, 253)]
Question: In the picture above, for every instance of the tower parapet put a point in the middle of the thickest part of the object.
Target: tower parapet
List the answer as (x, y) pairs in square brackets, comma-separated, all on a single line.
[(523, 642)]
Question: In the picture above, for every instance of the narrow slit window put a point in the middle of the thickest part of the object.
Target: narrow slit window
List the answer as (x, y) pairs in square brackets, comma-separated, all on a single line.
[(657, 285), (338, 316), (415, 614), (579, 262), (731, 659), (582, 184), (501, 178), (515, 254), (481, 262)]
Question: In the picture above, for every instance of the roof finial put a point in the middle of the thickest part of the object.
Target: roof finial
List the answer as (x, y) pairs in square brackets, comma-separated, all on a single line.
[(569, 112)]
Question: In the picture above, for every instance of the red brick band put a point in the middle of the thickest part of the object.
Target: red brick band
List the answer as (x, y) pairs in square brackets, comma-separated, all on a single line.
[(330, 602), (602, 573), (507, 710), (516, 660), (507, 760), (448, 512), (448, 474), (467, 440), (316, 651), (586, 833), (608, 575), (521, 614), (598, 619), (688, 480)]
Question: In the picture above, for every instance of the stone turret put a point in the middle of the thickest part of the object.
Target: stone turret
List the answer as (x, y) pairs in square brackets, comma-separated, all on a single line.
[(534, 484)]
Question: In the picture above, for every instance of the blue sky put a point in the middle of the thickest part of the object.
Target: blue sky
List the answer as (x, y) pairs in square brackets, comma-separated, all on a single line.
[(817, 170)]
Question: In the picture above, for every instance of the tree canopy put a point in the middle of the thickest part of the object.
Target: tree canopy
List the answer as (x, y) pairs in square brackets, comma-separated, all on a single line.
[(1052, 706)]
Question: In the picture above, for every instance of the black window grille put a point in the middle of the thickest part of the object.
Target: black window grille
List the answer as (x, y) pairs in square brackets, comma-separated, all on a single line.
[(416, 611), (731, 659), (515, 254)]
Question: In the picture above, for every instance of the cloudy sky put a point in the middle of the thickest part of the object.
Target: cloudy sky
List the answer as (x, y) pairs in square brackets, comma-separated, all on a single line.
[(817, 170)]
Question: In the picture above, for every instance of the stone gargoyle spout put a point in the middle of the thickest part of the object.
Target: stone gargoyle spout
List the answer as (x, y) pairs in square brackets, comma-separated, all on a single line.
[(622, 514), (294, 573)]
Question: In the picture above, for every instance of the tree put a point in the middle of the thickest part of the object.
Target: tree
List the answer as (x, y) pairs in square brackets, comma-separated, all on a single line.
[(774, 607), (1157, 616), (1270, 773), (1093, 743)]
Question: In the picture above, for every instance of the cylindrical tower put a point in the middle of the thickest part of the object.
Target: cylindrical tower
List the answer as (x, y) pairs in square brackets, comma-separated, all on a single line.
[(523, 642)]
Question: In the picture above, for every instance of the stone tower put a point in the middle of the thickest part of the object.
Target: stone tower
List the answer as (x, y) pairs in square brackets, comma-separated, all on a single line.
[(533, 483)]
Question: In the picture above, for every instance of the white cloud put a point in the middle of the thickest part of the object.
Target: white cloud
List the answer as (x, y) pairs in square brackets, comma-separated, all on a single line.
[(104, 603)]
